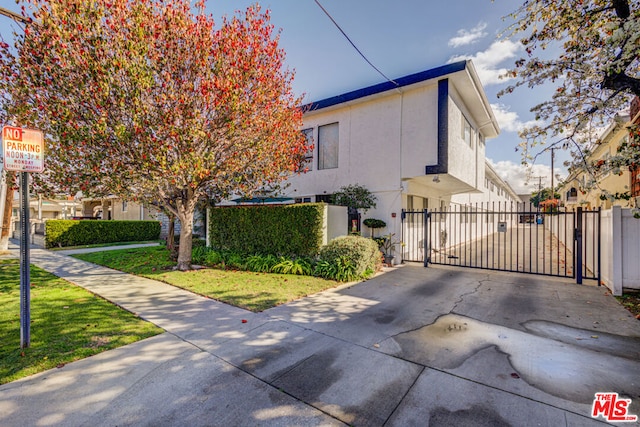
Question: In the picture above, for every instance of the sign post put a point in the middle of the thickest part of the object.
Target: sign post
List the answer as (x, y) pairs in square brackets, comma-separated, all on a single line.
[(24, 152), (25, 273)]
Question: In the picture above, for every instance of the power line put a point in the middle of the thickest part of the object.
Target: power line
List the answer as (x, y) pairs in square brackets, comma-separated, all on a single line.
[(353, 44)]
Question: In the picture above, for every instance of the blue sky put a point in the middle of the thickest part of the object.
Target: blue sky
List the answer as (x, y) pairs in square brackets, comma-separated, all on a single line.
[(401, 37)]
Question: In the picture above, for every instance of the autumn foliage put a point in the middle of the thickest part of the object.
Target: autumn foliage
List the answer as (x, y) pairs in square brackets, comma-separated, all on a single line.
[(149, 100)]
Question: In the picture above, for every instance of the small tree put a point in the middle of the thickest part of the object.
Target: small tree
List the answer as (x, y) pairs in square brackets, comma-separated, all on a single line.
[(373, 223), (542, 195), (355, 197)]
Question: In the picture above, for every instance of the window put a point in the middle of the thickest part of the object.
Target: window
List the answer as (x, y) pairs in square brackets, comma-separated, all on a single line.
[(308, 157), (409, 203), (326, 198), (328, 146), (124, 206), (467, 131)]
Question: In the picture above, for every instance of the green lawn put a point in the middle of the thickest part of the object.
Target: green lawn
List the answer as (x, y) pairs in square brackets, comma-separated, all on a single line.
[(67, 323), (252, 291)]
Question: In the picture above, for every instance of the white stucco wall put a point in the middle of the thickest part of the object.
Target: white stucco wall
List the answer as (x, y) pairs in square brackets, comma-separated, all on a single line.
[(464, 159), (368, 154), (335, 223), (419, 139)]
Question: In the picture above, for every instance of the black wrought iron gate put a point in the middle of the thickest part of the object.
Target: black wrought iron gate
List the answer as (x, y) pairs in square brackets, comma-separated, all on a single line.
[(514, 237)]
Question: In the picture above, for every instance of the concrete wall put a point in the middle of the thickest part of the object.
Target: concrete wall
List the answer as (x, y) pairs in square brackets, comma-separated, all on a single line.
[(334, 223)]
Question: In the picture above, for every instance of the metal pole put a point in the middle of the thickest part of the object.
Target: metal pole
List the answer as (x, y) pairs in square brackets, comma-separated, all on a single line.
[(599, 223), (553, 193), (425, 237), (25, 279), (578, 237)]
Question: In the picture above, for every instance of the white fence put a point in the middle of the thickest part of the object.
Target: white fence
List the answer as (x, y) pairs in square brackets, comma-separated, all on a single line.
[(620, 250)]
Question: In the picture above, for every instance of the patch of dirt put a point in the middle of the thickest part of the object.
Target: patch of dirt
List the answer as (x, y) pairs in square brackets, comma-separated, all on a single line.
[(631, 301), (97, 341)]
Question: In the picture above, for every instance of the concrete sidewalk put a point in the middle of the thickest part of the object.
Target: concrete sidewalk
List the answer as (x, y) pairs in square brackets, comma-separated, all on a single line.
[(413, 346)]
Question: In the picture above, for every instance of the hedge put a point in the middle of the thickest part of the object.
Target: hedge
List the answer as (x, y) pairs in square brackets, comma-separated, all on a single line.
[(60, 233), (289, 230)]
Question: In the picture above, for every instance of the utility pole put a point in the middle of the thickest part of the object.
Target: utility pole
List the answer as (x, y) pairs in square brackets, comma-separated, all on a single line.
[(553, 192), (539, 178)]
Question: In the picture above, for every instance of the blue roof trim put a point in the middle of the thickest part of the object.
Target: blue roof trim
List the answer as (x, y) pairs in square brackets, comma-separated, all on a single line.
[(433, 73), (443, 130)]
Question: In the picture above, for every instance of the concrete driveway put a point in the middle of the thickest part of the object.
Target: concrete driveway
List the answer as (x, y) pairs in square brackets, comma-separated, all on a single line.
[(413, 346)]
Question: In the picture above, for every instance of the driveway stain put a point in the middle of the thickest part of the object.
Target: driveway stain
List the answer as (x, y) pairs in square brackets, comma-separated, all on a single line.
[(311, 378), (476, 416), (385, 317), (569, 370)]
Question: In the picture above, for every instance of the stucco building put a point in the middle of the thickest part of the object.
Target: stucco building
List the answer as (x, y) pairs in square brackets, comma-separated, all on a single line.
[(582, 189), (415, 142)]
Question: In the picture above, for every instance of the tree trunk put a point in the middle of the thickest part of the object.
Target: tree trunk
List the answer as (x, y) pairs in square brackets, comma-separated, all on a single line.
[(171, 233), (8, 206), (185, 215)]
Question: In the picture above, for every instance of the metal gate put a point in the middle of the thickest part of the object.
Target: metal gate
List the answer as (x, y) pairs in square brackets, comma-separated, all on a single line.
[(506, 237)]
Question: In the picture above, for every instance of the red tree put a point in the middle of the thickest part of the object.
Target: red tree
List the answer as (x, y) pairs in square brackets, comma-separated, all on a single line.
[(148, 100)]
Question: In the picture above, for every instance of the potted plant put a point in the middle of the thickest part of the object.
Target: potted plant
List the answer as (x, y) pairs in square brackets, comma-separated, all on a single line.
[(373, 223), (388, 248)]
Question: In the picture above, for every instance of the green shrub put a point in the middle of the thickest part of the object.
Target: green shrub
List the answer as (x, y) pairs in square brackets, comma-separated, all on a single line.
[(345, 270), (233, 260), (324, 269), (198, 243), (291, 230), (213, 258), (298, 266), (380, 241), (360, 252), (61, 233), (199, 255), (261, 263)]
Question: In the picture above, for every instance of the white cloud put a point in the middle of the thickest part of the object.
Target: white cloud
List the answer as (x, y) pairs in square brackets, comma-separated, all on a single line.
[(509, 121), (487, 62), (526, 179), (465, 37)]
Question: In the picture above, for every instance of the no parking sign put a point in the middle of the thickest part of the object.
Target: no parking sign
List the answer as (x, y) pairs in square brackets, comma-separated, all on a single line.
[(23, 149)]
